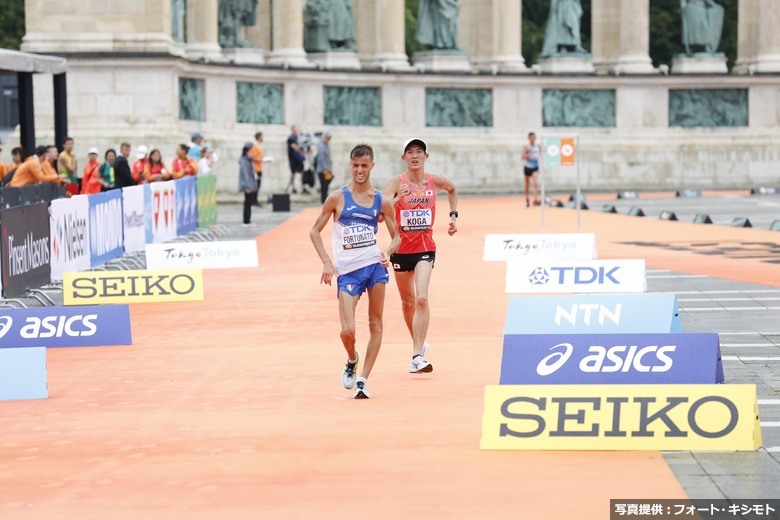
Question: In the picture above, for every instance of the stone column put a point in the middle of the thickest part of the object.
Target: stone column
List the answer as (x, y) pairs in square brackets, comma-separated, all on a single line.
[(490, 31), (202, 29), (287, 34), (759, 40), (380, 34), (621, 37)]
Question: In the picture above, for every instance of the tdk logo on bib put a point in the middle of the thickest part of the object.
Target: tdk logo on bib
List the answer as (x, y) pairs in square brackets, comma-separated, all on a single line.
[(611, 359), (589, 276), (81, 326), (416, 219)]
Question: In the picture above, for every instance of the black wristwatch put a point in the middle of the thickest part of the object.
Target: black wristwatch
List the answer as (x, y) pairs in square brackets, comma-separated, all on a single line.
[(454, 213)]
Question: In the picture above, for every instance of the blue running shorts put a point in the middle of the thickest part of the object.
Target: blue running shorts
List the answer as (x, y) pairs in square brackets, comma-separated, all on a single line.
[(356, 282)]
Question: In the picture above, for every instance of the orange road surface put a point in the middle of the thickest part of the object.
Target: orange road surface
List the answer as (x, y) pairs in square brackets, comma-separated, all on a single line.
[(233, 408)]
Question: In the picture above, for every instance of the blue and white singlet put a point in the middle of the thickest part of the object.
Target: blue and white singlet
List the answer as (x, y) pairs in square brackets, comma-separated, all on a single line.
[(354, 234)]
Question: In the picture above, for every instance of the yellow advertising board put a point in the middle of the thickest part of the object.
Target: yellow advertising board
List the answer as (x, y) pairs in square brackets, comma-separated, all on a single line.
[(107, 287), (621, 417)]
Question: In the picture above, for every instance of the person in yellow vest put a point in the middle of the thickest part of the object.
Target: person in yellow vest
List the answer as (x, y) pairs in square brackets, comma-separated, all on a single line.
[(31, 171), (183, 165), (66, 167)]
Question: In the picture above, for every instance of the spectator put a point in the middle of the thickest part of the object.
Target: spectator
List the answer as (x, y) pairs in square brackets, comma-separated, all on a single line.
[(155, 170), (91, 181), (49, 166), (324, 165), (295, 157), (107, 171), (17, 157), (66, 167), (141, 160), (3, 167), (206, 162), (256, 153), (31, 170), (195, 146), (183, 165), (247, 183), (123, 177)]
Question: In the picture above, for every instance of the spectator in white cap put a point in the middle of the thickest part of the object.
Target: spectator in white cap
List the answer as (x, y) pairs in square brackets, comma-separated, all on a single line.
[(323, 165), (141, 160), (195, 145), (90, 182)]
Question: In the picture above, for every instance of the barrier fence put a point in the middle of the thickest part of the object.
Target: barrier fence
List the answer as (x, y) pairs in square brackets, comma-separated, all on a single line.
[(44, 236)]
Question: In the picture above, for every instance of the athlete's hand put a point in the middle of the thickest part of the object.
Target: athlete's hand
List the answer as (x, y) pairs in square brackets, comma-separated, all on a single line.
[(327, 273), (385, 260), (453, 226), (404, 190)]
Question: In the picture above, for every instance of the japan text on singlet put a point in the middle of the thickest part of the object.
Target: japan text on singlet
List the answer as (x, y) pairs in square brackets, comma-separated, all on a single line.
[(354, 234), (414, 215)]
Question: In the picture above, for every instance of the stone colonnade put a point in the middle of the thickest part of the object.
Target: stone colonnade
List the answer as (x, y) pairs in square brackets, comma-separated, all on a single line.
[(489, 33)]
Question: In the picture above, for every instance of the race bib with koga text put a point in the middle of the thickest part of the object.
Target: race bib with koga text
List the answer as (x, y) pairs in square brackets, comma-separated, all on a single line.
[(416, 219), (358, 236)]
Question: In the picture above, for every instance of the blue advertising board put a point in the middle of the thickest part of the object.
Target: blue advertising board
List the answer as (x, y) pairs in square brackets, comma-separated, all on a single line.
[(532, 359), (186, 205), (106, 235), (78, 326), (23, 374), (593, 314)]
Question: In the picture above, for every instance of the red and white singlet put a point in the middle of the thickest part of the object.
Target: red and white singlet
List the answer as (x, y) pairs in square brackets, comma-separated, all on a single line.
[(414, 215)]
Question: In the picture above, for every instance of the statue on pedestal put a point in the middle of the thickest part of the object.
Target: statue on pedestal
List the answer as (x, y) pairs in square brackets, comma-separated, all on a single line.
[(702, 24), (233, 16), (329, 26), (437, 24), (562, 33)]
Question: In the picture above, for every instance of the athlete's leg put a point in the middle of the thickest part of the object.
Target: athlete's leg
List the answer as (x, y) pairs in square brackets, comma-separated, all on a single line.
[(535, 178), (347, 305), (376, 305), (527, 180), (404, 280), (422, 278)]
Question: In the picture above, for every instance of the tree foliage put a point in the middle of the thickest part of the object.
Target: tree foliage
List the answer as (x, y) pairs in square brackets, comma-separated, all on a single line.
[(11, 23)]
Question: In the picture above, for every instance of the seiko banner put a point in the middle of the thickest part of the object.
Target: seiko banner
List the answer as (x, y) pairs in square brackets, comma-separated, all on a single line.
[(132, 287), (207, 200), (25, 248), (581, 276), (105, 227), (621, 417), (202, 255), (611, 359), (160, 203), (593, 314), (69, 235), (186, 205), (23, 373), (576, 246), (134, 221), (83, 326)]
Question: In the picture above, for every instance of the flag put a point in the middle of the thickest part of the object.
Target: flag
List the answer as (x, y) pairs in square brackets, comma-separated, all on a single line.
[(552, 150)]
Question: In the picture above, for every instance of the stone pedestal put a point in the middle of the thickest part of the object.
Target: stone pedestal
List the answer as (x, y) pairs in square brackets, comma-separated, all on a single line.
[(700, 64), (567, 64), (442, 61), (335, 60), (244, 56)]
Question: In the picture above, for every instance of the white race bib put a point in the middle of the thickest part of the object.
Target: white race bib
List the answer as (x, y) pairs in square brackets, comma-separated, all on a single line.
[(416, 219), (357, 236)]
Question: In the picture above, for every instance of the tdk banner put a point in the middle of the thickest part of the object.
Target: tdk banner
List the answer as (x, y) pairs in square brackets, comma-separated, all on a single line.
[(593, 314), (534, 359), (80, 326)]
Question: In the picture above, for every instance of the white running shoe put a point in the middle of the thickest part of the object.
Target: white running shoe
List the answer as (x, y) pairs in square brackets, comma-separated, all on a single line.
[(360, 390), (350, 373), (419, 365)]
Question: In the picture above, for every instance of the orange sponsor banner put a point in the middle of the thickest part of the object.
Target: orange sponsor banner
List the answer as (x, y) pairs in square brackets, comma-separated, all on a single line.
[(567, 151)]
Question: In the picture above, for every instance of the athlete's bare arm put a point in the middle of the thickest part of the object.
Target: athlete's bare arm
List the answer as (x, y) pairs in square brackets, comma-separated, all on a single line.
[(395, 243), (395, 191), (444, 183), (333, 204)]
